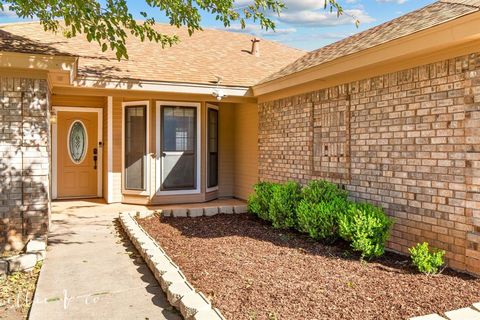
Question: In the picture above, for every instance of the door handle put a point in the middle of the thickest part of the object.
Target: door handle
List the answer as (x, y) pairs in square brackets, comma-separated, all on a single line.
[(164, 154), (95, 158)]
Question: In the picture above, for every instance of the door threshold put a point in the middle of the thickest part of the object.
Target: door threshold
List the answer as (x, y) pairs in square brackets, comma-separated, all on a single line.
[(77, 198)]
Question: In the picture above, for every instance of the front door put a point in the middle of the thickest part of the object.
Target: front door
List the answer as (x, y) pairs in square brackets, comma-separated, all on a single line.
[(178, 148), (77, 154)]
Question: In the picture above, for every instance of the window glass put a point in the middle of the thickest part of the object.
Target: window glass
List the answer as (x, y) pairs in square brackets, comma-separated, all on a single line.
[(135, 147), (212, 158), (77, 142), (179, 153)]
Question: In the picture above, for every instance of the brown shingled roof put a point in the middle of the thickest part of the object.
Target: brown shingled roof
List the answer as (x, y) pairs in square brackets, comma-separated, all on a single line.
[(424, 18), (196, 59)]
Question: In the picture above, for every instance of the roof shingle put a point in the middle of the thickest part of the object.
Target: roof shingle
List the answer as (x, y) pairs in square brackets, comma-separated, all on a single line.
[(196, 59), (424, 18)]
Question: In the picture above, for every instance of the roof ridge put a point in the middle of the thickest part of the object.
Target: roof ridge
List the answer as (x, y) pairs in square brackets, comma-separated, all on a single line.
[(467, 3), (166, 24), (18, 23)]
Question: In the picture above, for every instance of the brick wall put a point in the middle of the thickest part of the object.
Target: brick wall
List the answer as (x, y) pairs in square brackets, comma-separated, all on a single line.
[(24, 160), (409, 141)]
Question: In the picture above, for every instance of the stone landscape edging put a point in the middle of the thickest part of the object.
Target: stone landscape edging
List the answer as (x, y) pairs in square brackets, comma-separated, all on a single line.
[(468, 313), (35, 251), (193, 305)]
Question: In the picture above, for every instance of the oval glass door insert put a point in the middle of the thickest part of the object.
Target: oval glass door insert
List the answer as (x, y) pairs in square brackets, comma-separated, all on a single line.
[(77, 142)]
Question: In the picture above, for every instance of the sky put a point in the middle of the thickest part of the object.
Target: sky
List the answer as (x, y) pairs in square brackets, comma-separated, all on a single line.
[(303, 24)]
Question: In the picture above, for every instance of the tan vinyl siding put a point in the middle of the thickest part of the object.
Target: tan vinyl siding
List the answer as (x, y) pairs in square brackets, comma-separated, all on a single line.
[(78, 101), (226, 150), (245, 149)]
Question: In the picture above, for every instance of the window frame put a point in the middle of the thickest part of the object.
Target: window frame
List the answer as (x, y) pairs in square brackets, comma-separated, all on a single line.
[(158, 158), (207, 138), (145, 192), (194, 152)]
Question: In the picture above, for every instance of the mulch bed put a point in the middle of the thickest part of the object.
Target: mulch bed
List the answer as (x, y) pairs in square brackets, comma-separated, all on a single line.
[(251, 271), (16, 293)]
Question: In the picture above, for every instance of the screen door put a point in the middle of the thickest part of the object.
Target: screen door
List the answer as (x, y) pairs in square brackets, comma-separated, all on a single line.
[(178, 148)]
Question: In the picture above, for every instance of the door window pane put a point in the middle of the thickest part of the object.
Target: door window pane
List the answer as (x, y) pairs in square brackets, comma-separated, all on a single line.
[(179, 138), (212, 159), (179, 129), (77, 142), (135, 147)]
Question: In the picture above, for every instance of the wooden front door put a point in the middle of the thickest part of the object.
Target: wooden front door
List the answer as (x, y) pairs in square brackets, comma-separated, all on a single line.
[(77, 154)]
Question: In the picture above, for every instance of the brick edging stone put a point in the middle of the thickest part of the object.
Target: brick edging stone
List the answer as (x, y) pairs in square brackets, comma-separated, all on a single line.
[(193, 305)]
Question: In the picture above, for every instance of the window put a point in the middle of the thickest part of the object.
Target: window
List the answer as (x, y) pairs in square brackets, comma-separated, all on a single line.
[(212, 148), (179, 147), (135, 147)]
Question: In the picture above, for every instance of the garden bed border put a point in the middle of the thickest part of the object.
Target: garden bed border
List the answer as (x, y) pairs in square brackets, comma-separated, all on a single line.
[(193, 305), (35, 251)]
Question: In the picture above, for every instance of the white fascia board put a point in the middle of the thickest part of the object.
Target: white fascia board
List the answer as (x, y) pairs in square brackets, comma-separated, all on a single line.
[(158, 86)]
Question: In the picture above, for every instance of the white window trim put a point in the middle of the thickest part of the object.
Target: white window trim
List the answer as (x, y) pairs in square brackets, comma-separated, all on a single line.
[(99, 112), (145, 192), (215, 107), (158, 158)]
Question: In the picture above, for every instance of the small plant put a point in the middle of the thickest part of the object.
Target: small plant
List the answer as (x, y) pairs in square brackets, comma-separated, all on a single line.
[(283, 204), (427, 261), (259, 201), (366, 227)]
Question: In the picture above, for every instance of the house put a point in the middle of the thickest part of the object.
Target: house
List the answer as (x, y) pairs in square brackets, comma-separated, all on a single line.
[(391, 113)]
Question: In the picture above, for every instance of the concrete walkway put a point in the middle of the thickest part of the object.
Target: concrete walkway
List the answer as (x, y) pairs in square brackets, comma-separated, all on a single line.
[(92, 273)]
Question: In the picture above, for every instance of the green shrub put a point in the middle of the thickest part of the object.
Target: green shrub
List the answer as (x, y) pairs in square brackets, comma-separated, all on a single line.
[(259, 201), (366, 227), (320, 220), (425, 260), (317, 213), (283, 204), (320, 190)]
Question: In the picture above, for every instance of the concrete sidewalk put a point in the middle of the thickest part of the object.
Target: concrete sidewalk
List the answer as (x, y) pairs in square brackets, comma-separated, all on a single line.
[(91, 273)]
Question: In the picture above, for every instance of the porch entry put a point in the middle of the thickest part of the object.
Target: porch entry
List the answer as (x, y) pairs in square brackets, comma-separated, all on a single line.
[(77, 153), (178, 148)]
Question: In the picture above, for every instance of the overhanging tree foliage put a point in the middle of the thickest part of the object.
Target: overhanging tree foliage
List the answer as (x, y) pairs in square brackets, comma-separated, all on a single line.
[(109, 23)]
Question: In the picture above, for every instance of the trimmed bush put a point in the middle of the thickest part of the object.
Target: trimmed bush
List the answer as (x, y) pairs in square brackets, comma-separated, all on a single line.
[(259, 201), (322, 210), (427, 261), (320, 220), (320, 190), (317, 213), (283, 204), (366, 227)]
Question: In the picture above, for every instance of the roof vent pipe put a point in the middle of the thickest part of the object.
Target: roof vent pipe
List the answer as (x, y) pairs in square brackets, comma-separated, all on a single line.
[(255, 47)]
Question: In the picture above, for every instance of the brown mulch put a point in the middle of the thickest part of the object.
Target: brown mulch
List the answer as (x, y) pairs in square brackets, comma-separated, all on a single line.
[(16, 293), (251, 271)]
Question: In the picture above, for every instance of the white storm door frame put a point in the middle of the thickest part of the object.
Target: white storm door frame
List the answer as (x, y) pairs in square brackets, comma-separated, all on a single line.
[(159, 158)]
